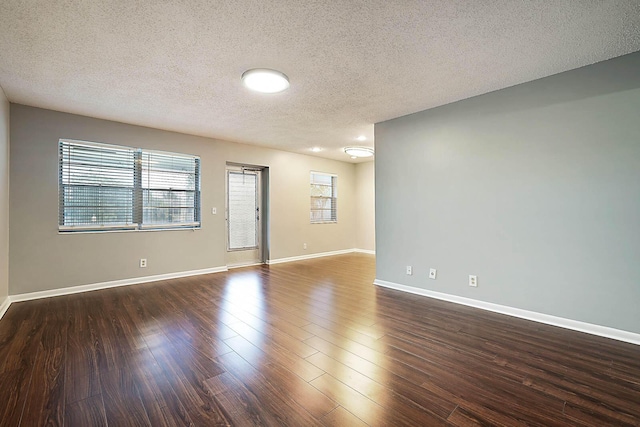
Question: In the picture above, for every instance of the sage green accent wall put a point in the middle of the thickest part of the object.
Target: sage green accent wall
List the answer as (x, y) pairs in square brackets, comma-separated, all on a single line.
[(41, 259), (535, 189)]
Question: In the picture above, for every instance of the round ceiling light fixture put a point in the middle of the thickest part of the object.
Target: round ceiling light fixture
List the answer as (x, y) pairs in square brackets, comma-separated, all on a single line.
[(316, 149), (265, 80), (359, 151)]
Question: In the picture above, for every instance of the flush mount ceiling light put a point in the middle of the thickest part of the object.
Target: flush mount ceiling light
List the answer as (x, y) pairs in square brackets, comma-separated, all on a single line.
[(265, 80), (316, 149), (359, 151), (361, 138)]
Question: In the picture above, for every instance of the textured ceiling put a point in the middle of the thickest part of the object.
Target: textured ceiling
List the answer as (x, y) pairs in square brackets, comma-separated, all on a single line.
[(176, 65)]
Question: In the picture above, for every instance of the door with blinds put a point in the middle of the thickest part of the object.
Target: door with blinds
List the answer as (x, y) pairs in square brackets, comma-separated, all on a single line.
[(243, 214)]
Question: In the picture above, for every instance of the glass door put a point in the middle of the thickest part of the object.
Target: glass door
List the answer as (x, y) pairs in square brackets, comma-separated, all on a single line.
[(243, 229)]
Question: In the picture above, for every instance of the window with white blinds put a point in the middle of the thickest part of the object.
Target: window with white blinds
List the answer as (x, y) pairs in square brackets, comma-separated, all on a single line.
[(324, 198), (108, 187), (243, 210), (170, 189)]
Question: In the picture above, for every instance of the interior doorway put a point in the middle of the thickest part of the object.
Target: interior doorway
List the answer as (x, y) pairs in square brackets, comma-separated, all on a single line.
[(246, 215)]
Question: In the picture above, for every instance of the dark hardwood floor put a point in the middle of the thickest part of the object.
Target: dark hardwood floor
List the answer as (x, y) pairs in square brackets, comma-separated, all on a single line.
[(300, 344)]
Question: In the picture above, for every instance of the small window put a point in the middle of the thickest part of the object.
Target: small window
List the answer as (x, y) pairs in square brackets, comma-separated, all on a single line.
[(107, 187), (324, 198)]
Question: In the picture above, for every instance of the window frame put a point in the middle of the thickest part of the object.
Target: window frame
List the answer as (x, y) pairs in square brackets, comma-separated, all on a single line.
[(333, 198), (137, 201), (197, 223)]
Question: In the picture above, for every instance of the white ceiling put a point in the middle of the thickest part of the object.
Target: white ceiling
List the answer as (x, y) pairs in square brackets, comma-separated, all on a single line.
[(176, 65)]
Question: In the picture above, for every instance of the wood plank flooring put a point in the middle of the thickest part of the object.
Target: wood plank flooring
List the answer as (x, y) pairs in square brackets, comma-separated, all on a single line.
[(309, 343)]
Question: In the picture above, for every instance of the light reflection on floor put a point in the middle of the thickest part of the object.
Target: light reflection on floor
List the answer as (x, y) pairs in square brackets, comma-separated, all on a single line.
[(243, 294), (321, 298), (243, 302)]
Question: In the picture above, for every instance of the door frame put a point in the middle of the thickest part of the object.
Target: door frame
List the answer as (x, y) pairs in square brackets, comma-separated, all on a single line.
[(263, 212)]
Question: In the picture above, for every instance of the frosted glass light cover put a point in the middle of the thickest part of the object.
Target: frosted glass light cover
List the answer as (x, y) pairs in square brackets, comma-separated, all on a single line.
[(359, 151), (265, 80)]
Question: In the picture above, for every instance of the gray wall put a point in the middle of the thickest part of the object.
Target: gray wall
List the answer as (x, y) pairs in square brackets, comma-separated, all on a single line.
[(365, 206), (42, 259), (535, 189), (4, 197)]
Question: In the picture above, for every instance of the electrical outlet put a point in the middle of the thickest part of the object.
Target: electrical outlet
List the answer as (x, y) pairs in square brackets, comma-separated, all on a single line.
[(409, 270), (432, 273), (473, 281), (143, 263), (304, 246), (214, 211)]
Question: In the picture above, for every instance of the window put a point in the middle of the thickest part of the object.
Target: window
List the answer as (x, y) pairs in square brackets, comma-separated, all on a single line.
[(170, 190), (324, 196), (108, 187)]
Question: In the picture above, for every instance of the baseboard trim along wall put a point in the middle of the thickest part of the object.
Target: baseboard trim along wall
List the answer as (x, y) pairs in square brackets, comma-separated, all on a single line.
[(575, 325), (243, 264), (365, 251), (111, 284), (310, 256), (4, 306)]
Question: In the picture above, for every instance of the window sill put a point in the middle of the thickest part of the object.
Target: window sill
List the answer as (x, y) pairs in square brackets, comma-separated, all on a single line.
[(134, 230)]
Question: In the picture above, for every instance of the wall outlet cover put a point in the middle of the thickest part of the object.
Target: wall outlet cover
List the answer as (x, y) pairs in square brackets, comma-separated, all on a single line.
[(432, 273), (473, 281)]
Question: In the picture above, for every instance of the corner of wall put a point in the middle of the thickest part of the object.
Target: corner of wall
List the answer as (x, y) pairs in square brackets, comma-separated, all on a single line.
[(365, 207), (4, 306), (5, 108)]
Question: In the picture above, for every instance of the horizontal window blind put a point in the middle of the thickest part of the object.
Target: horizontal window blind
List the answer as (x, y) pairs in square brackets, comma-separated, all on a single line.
[(169, 189), (243, 210), (96, 186), (324, 198), (111, 187)]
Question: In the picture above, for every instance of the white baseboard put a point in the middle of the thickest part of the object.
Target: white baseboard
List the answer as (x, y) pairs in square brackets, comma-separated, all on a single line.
[(310, 256), (589, 328), (243, 264), (365, 251), (4, 306), (111, 284)]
